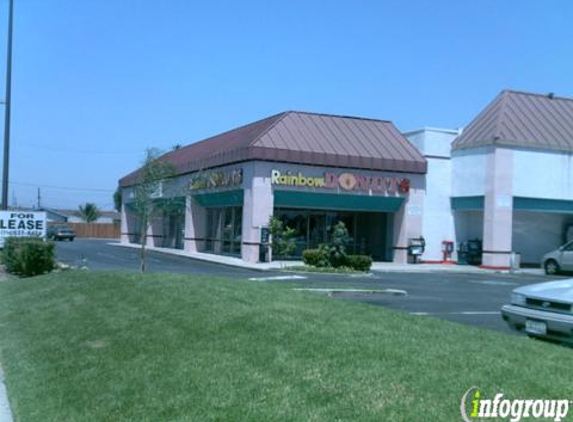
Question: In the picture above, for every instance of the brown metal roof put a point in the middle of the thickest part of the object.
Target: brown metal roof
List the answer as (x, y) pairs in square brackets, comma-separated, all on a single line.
[(521, 119), (303, 138)]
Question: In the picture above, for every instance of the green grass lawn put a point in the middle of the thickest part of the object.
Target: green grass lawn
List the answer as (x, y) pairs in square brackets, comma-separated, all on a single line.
[(89, 346)]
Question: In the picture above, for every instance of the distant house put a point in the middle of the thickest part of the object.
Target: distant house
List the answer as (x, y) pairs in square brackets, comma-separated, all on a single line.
[(73, 216), (105, 217), (53, 216)]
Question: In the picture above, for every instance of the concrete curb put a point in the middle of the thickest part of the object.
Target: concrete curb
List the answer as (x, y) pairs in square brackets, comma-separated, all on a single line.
[(378, 267), (199, 257), (5, 411)]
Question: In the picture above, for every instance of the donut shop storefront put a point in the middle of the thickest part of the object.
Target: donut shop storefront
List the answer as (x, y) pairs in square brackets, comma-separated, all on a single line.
[(309, 170), (380, 209), (366, 203)]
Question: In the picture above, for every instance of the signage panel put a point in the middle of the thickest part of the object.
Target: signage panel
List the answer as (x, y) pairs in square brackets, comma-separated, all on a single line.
[(217, 179), (346, 181), (22, 224)]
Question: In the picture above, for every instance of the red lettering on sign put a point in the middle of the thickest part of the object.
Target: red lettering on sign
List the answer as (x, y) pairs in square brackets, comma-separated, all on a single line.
[(363, 183), (330, 180)]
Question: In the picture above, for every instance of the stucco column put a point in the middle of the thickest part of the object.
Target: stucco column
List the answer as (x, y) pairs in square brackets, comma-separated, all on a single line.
[(195, 226), (258, 205), (498, 209), (155, 231), (124, 228), (407, 224)]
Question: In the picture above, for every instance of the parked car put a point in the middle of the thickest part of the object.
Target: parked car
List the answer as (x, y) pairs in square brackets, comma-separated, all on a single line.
[(558, 260), (542, 310), (61, 233)]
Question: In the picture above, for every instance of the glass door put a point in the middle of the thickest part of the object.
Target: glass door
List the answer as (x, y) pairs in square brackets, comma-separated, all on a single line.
[(316, 230), (227, 231), (237, 230), (212, 241)]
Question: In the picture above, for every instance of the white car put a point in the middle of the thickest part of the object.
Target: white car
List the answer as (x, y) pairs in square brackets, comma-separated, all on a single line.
[(542, 310), (558, 260)]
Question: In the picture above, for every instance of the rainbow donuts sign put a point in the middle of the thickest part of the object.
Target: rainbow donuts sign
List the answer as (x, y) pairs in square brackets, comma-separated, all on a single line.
[(345, 181)]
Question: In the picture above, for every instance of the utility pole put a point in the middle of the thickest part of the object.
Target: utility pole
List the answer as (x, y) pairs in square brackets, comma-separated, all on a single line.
[(5, 167), (39, 199)]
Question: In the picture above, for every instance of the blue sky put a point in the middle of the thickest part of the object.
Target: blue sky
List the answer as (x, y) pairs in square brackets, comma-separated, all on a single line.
[(96, 82)]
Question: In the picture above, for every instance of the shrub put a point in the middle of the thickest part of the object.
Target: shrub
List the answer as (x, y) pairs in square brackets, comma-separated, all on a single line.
[(337, 247), (315, 257), (359, 262), (28, 256), (283, 242)]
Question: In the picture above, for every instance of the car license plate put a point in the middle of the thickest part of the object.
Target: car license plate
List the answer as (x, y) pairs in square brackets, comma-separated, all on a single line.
[(535, 327)]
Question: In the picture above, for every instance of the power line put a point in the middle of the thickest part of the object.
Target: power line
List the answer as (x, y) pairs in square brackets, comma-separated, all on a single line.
[(75, 151), (62, 187)]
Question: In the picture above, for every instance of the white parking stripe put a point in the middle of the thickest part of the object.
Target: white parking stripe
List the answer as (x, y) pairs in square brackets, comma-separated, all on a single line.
[(280, 277), (494, 282), (456, 313), (476, 313)]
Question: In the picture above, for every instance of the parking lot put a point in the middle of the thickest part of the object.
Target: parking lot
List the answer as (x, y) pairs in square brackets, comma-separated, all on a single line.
[(467, 298)]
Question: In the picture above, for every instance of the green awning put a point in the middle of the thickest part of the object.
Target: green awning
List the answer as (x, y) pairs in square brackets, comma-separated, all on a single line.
[(543, 205), (473, 203), (333, 201), (467, 203), (230, 198), (167, 203)]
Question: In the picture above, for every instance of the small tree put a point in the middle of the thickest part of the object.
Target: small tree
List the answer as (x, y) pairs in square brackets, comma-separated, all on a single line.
[(117, 199), (89, 212), (282, 238), (147, 191), (337, 247)]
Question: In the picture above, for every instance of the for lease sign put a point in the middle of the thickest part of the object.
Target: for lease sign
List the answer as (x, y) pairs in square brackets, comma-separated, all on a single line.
[(20, 224)]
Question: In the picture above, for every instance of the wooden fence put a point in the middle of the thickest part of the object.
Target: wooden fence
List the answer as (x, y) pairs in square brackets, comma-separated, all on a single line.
[(107, 231)]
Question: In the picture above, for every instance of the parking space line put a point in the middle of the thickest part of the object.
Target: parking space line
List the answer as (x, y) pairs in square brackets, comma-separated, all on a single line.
[(280, 277), (494, 282), (476, 313), (472, 313), (394, 292)]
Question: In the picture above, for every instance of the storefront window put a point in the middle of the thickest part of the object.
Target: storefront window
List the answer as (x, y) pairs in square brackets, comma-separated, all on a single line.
[(368, 231), (224, 230)]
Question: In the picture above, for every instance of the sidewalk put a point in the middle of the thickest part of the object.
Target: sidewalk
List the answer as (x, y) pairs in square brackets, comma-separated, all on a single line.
[(376, 266), (5, 412)]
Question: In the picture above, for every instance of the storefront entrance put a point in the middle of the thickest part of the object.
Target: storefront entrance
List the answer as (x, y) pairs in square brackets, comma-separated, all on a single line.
[(173, 230), (224, 230), (369, 231)]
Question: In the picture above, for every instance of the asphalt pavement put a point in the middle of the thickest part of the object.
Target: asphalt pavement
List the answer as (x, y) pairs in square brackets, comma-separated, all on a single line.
[(100, 255), (467, 298)]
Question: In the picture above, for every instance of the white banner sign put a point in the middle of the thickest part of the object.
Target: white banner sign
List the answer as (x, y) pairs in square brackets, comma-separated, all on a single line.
[(22, 223)]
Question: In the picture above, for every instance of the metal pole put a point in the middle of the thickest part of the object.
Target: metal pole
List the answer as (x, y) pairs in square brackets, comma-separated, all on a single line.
[(5, 167)]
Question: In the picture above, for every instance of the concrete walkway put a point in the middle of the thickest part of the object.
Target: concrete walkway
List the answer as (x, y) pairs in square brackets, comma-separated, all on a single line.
[(376, 266), (5, 412)]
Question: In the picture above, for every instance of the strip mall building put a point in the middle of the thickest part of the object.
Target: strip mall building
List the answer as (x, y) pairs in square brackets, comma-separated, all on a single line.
[(506, 180)]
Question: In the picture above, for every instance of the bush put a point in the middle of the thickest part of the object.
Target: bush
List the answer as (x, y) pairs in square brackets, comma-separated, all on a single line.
[(28, 256), (359, 262), (337, 247), (283, 242), (315, 258)]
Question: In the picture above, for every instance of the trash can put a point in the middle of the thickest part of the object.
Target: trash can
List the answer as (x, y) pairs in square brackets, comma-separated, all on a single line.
[(416, 247), (264, 255), (474, 248), (515, 260), (463, 255)]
